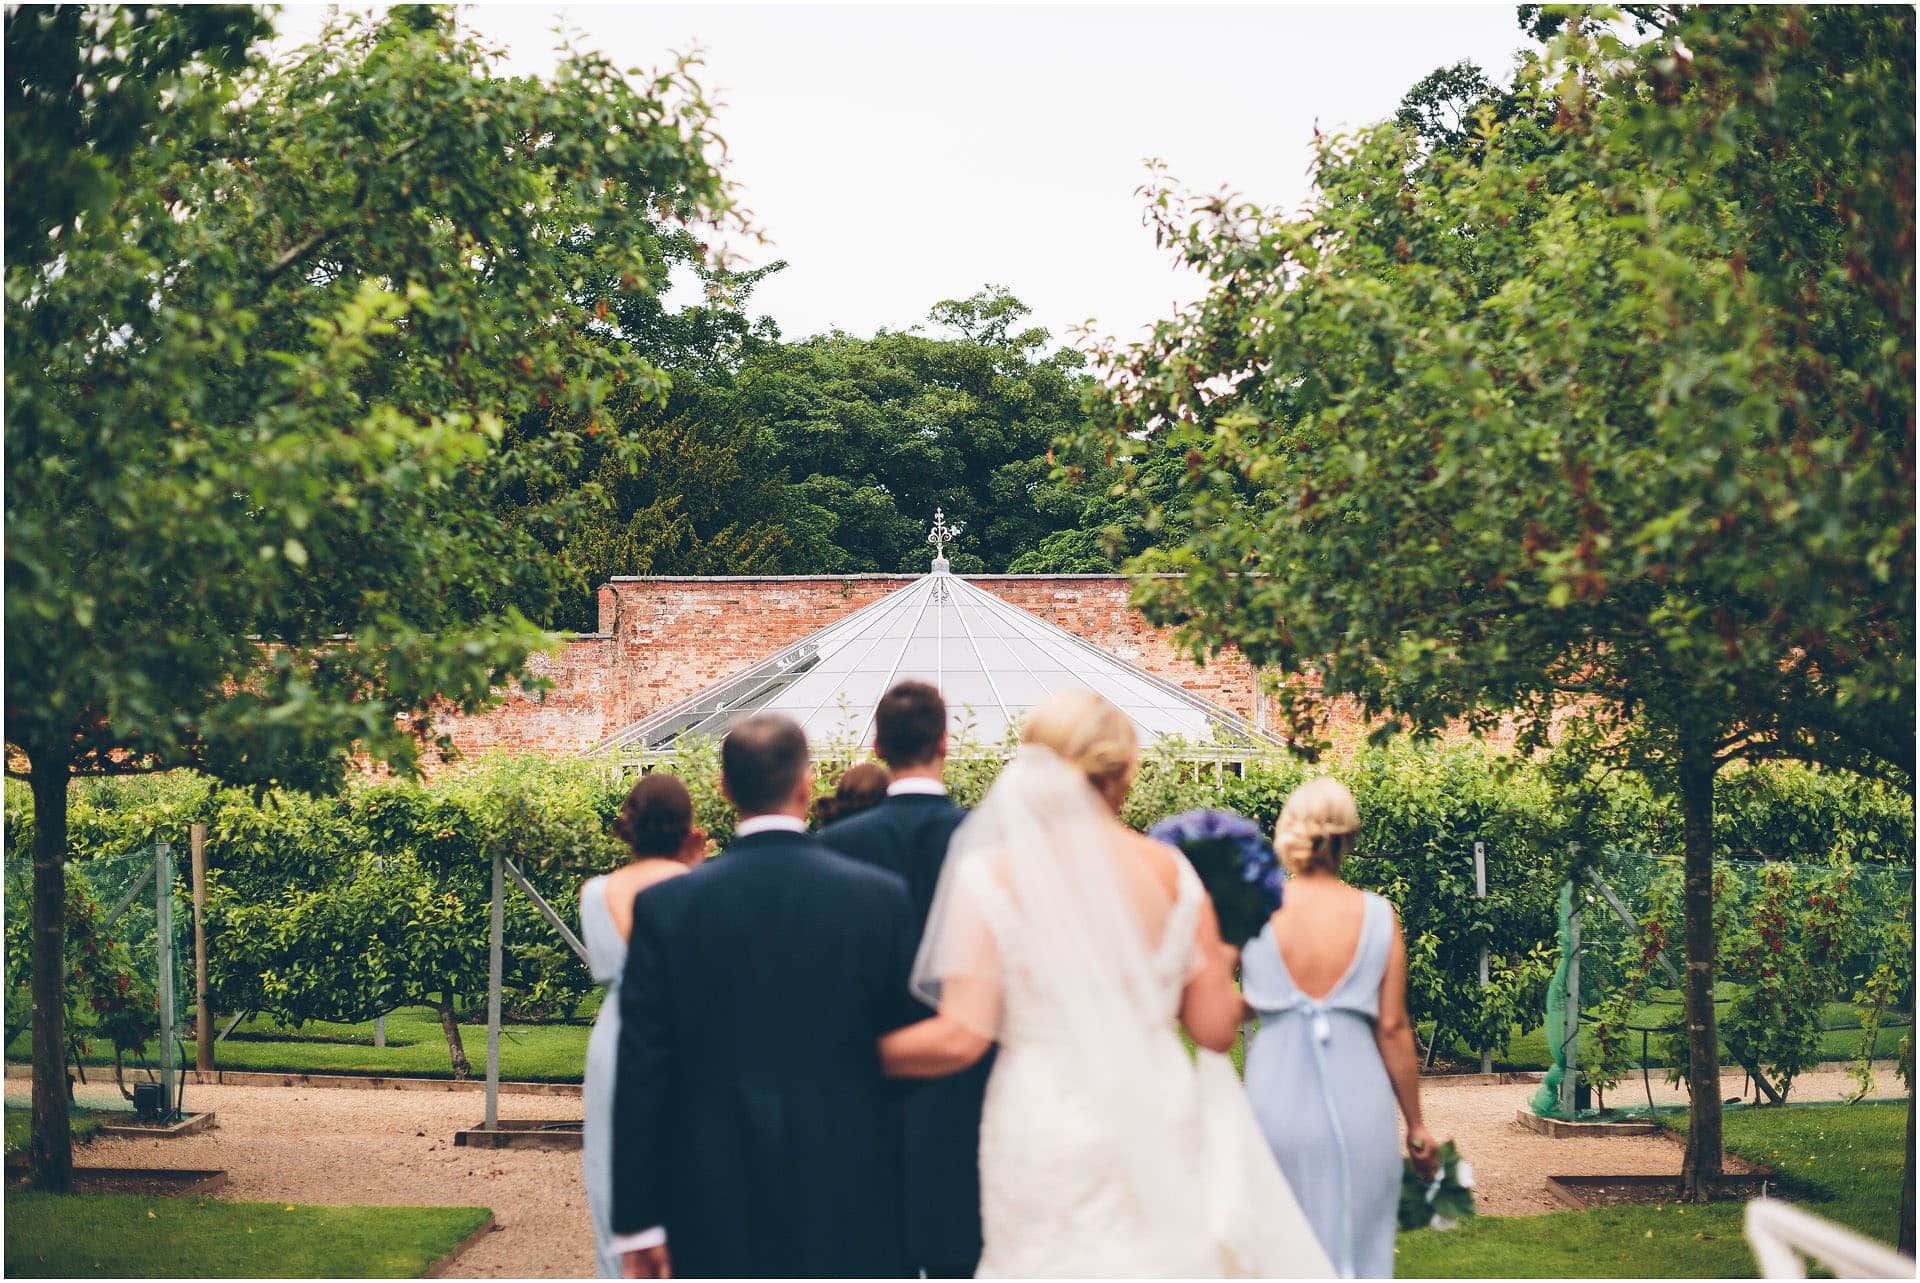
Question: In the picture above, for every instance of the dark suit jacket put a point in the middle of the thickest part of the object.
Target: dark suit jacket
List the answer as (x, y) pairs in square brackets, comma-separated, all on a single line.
[(908, 834), (751, 1117)]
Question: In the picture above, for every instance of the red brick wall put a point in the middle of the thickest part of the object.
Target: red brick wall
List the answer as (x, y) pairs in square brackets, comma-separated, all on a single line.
[(664, 639)]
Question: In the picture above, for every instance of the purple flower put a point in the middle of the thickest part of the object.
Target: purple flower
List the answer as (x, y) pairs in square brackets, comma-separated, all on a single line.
[(1207, 825), (1228, 849)]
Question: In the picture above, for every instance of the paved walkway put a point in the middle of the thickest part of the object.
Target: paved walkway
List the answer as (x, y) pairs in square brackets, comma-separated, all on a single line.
[(320, 1145)]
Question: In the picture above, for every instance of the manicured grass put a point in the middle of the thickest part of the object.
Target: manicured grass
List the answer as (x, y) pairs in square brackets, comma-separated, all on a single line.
[(557, 1052), (126, 1236), (1843, 1160), (1528, 1050), (415, 1046), (85, 1122)]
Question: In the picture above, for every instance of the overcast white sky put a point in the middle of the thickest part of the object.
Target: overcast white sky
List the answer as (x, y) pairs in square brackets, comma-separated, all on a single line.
[(899, 155)]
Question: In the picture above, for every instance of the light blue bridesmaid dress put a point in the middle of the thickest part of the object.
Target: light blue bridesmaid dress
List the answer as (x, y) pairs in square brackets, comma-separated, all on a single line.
[(1321, 1093), (607, 958)]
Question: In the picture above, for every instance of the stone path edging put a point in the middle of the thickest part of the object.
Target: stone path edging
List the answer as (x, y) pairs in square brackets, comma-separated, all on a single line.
[(444, 1267)]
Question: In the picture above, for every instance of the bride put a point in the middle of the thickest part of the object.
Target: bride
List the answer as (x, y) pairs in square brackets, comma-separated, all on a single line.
[(1075, 943)]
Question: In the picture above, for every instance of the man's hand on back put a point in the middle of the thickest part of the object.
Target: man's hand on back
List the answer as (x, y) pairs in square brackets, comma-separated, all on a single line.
[(647, 1263)]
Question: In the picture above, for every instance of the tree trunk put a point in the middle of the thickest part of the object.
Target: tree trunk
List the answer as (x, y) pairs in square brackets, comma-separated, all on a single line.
[(50, 1149), (1701, 1170), (1906, 1175), (1762, 1086), (1906, 1185), (456, 1050)]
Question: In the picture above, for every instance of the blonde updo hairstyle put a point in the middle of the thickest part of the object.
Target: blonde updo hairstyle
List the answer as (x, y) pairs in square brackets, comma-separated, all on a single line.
[(1090, 734), (1317, 827)]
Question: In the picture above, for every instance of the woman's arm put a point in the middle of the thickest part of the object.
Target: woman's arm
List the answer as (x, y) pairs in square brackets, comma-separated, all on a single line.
[(949, 1042), (933, 1048), (1394, 1034), (1211, 1005)]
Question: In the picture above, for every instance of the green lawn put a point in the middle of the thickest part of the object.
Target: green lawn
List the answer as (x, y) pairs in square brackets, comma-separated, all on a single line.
[(1528, 1049), (557, 1052), (415, 1045), (1844, 1160), (124, 1236), (85, 1122)]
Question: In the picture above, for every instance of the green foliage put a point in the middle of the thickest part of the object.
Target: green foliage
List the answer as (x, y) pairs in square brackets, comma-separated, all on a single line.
[(343, 908), (1608, 414), (264, 517), (824, 455), (1785, 952), (89, 87), (1795, 942), (1441, 1198), (1598, 422), (263, 403), (337, 909), (1890, 982), (107, 996)]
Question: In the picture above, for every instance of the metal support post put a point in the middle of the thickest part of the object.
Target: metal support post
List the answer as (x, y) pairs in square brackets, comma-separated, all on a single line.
[(496, 934), (380, 1021), (1569, 1086), (202, 1009), (548, 912), (1625, 915), (163, 953), (127, 898), (1480, 893)]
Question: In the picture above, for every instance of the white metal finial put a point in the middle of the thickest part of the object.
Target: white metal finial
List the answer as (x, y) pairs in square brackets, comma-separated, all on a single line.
[(938, 537)]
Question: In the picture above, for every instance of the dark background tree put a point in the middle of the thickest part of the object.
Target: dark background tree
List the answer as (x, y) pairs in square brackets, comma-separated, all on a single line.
[(826, 455)]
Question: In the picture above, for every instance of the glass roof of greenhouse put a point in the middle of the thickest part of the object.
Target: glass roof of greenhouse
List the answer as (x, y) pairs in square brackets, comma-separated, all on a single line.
[(993, 661)]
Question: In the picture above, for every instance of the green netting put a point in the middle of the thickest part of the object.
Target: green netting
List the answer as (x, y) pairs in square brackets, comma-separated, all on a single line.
[(1546, 1101), (1630, 1003), (119, 975)]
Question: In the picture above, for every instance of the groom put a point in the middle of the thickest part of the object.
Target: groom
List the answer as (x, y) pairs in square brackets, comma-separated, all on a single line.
[(908, 834), (752, 1133)]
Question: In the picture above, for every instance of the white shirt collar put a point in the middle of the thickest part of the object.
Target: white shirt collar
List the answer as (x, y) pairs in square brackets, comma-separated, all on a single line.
[(917, 784), (770, 824)]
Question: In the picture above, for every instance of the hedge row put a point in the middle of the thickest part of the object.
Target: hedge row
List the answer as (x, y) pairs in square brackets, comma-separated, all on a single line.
[(341, 907)]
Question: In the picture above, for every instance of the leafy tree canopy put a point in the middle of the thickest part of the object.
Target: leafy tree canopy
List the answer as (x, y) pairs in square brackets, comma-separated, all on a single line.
[(259, 472), (266, 406), (826, 455), (1604, 421), (1629, 415)]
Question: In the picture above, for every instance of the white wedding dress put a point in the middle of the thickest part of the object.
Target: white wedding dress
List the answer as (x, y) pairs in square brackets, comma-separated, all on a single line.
[(1106, 1150)]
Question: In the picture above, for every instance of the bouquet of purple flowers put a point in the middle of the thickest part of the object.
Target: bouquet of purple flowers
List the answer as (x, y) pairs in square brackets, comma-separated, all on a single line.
[(1236, 864)]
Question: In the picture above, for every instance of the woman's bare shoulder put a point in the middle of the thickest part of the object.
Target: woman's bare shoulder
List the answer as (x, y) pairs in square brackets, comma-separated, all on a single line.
[(1163, 859), (631, 879)]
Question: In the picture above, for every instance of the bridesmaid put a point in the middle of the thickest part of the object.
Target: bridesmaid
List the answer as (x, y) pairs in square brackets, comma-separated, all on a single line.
[(656, 824), (862, 787), (1327, 977)]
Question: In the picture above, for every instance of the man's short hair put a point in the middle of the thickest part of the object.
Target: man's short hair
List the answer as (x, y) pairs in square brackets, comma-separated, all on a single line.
[(761, 762), (908, 724)]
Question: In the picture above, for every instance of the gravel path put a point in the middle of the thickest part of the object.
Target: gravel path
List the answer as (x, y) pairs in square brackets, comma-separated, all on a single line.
[(319, 1145), (325, 1145)]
